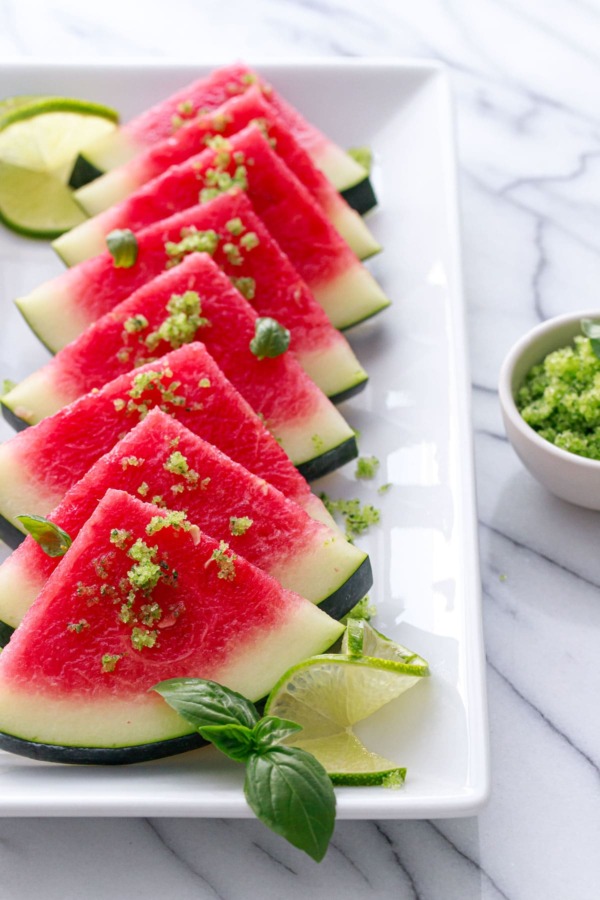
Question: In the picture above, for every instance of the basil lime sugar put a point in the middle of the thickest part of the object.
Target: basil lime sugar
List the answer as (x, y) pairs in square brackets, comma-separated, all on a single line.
[(560, 397)]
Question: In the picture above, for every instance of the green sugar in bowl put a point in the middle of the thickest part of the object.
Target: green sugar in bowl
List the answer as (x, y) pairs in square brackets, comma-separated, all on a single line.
[(550, 398)]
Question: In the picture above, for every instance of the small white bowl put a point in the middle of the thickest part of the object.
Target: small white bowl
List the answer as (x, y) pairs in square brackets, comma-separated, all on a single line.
[(571, 477)]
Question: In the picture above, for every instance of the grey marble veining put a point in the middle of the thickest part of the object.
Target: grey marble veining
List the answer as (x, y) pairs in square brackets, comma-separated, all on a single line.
[(526, 77)]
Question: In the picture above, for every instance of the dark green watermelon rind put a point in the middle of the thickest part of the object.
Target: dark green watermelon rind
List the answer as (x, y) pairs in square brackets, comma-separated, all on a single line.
[(100, 756), (12, 418), (361, 196), (342, 395), (83, 172), (9, 534), (339, 604), (330, 460)]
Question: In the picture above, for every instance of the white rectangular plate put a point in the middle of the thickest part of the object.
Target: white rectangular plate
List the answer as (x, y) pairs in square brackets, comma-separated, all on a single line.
[(414, 417)]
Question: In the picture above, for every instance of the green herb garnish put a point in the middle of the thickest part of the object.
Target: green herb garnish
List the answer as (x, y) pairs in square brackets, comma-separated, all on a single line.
[(287, 789), (270, 338), (123, 247), (51, 538), (240, 525), (357, 518)]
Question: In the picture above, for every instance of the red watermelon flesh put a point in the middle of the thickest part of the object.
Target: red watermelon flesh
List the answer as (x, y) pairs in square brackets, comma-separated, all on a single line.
[(193, 301), (40, 464), (191, 138), (163, 119), (141, 597), (62, 308), (293, 217), (162, 461)]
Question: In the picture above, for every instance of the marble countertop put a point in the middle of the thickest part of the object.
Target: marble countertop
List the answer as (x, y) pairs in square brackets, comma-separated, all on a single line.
[(526, 77)]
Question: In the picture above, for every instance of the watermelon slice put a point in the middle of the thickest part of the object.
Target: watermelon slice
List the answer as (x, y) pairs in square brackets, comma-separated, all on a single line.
[(61, 309), (163, 461), (39, 465), (163, 120), (193, 301), (228, 119), (296, 221), (140, 597)]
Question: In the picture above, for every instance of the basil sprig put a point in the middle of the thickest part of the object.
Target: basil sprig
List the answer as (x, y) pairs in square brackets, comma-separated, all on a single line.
[(270, 338), (286, 788), (53, 540), (123, 247)]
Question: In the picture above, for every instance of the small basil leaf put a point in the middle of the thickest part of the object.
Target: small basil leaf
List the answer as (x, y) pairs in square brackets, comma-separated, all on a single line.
[(363, 156), (204, 702), (235, 741), (271, 730), (52, 539), (291, 793), (270, 338), (123, 247)]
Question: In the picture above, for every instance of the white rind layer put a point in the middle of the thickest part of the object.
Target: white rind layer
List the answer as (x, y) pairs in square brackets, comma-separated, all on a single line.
[(353, 229), (52, 316), (309, 438), (20, 493), (112, 187), (341, 169), (82, 242), (91, 720), (335, 370), (351, 297), (37, 396), (18, 590)]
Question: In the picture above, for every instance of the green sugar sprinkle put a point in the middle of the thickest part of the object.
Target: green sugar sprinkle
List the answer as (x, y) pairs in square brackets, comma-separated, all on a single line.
[(78, 627), (225, 562), (235, 226), (109, 662), (175, 519), (246, 286), (560, 398), (364, 609), (240, 525), (132, 461), (357, 518), (182, 323), (135, 324), (141, 638), (192, 241), (120, 537), (366, 467)]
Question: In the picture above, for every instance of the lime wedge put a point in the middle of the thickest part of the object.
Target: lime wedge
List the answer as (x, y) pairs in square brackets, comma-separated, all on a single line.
[(328, 694), (36, 204), (40, 139)]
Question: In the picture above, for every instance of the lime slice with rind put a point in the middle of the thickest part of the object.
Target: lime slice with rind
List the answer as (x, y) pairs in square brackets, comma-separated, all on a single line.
[(361, 639), (328, 694), (40, 139)]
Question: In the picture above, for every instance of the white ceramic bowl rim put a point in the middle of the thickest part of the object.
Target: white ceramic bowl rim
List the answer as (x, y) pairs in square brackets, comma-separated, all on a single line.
[(505, 390)]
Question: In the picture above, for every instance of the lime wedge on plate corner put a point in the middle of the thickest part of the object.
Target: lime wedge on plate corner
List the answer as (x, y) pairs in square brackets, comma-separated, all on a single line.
[(40, 140), (328, 694)]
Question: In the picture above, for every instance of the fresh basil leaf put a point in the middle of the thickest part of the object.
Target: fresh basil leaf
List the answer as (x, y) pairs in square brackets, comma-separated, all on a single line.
[(363, 156), (123, 247), (235, 741), (291, 793), (205, 703), (270, 338), (52, 539), (272, 730)]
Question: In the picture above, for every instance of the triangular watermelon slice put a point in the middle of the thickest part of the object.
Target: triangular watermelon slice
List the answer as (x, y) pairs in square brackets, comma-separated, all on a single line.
[(320, 256), (191, 138), (39, 465), (193, 301), (162, 461), (62, 308), (142, 596), (163, 119)]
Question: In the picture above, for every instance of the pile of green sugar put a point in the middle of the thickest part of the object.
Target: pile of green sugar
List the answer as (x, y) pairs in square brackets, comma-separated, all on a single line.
[(560, 399)]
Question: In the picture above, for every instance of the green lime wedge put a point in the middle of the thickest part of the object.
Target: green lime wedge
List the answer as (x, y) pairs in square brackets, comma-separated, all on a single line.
[(328, 694), (36, 204), (40, 139), (361, 639)]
